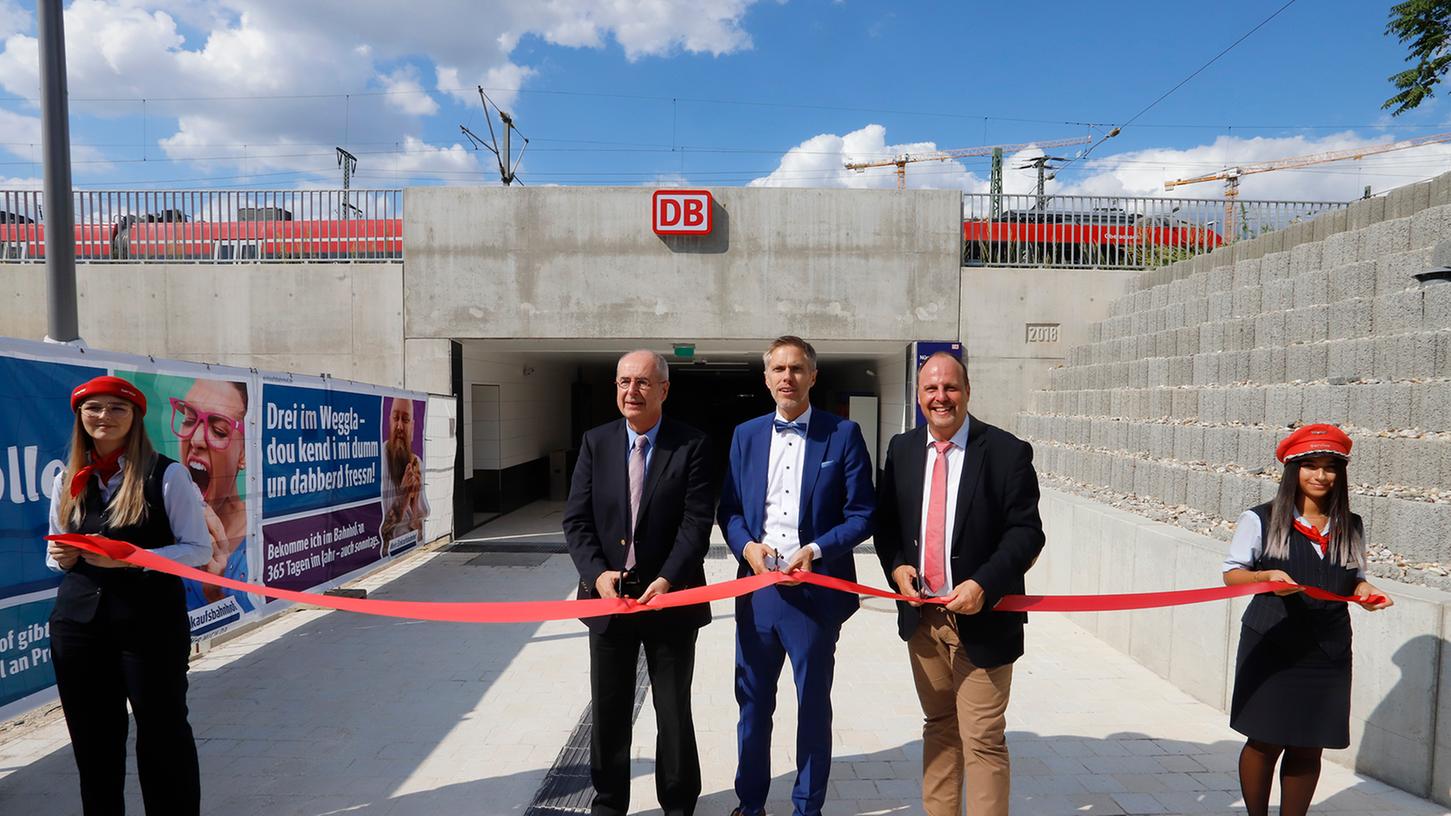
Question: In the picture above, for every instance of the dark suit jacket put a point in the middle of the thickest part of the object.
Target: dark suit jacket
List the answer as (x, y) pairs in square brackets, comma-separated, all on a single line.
[(996, 533), (672, 533), (836, 502)]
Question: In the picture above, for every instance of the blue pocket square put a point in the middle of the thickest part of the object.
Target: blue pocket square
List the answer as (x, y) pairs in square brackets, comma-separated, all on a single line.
[(828, 463)]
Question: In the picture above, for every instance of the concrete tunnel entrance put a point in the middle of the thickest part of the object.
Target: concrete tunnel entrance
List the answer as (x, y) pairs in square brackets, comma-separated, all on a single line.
[(526, 403)]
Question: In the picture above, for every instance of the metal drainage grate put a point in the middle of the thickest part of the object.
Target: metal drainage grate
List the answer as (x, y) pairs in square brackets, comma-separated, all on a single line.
[(566, 789)]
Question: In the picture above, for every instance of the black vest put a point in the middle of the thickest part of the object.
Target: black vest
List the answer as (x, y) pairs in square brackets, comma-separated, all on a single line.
[(1300, 616), (80, 590)]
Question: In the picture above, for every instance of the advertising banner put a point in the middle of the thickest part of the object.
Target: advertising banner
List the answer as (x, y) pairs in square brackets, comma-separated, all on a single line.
[(304, 482)]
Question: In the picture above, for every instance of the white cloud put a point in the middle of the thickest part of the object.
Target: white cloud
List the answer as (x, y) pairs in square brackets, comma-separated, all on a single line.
[(22, 139), (406, 94), (275, 48), (417, 156), (821, 162), (1143, 172), (13, 19), (818, 162)]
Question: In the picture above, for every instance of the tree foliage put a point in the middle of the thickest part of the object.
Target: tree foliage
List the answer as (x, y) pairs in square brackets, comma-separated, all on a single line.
[(1426, 26)]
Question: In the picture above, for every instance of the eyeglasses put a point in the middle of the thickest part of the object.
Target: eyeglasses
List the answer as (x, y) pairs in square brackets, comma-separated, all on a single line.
[(217, 429), (100, 409), (641, 383)]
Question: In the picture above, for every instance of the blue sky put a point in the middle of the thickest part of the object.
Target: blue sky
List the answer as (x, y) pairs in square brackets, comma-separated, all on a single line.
[(255, 93)]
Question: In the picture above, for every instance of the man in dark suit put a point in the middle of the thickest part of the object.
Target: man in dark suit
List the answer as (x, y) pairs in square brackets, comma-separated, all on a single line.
[(797, 497), (637, 524), (957, 518)]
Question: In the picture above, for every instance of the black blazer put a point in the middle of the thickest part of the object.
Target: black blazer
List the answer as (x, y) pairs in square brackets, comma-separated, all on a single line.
[(996, 532), (673, 531), (154, 599)]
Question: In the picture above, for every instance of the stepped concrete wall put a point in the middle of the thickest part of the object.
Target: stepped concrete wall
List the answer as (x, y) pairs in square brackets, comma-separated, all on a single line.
[(1163, 423)]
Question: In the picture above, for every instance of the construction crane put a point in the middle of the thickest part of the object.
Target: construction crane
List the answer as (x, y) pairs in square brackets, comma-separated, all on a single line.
[(901, 161), (1231, 175)]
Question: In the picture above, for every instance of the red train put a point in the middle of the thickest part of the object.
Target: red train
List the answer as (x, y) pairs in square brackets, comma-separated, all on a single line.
[(1022, 236), (168, 236), (1111, 236)]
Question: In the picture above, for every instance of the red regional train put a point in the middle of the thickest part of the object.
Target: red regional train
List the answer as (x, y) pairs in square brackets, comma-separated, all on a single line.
[(1021, 236), (1108, 236), (171, 236)]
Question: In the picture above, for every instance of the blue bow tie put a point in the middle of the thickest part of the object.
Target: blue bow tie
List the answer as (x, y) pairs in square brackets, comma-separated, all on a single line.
[(795, 425)]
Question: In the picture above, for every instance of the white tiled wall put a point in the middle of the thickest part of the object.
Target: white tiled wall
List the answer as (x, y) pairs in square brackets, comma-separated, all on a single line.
[(530, 417)]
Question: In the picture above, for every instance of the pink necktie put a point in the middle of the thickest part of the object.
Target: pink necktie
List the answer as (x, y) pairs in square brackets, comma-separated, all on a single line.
[(935, 547), (637, 489)]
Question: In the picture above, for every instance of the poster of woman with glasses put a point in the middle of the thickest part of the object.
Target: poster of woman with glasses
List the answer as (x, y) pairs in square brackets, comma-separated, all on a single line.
[(203, 426)]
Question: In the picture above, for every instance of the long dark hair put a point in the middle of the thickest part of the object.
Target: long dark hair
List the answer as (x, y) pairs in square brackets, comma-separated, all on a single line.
[(1347, 540)]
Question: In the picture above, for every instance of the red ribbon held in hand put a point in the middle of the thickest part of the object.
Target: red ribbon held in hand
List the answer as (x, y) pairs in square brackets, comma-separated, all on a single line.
[(538, 611)]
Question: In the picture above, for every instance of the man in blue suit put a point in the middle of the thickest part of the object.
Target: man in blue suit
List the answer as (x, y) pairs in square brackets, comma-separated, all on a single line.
[(798, 497)]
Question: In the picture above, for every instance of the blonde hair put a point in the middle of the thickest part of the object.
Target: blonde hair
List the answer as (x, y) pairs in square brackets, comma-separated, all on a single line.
[(128, 505)]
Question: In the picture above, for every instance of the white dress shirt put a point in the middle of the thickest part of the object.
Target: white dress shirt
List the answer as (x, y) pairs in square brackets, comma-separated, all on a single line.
[(954, 456), (782, 531), (185, 510), (1249, 542)]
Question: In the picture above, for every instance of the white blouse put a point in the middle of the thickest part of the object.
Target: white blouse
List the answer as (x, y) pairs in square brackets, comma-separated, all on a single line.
[(1249, 542)]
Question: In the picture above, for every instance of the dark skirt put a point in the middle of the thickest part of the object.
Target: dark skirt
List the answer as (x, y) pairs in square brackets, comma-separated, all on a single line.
[(1288, 691)]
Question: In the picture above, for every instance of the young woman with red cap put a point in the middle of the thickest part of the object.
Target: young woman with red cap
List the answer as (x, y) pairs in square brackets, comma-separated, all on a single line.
[(1292, 675), (120, 633)]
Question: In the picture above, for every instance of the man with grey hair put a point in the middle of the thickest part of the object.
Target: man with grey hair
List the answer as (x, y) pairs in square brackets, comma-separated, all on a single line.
[(637, 524)]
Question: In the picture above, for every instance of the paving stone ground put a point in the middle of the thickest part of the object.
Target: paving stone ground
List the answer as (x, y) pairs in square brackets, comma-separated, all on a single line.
[(332, 713)]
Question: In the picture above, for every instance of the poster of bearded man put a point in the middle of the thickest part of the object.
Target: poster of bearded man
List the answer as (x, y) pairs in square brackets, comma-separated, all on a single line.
[(405, 506)]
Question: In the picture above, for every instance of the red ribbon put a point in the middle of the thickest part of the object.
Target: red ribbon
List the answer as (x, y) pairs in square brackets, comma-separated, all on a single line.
[(538, 611)]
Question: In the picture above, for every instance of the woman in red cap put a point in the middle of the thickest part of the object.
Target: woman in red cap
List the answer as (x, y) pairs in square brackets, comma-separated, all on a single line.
[(120, 633), (1292, 675)]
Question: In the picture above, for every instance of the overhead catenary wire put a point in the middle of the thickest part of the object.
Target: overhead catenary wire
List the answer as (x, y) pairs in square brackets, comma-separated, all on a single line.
[(1181, 83)]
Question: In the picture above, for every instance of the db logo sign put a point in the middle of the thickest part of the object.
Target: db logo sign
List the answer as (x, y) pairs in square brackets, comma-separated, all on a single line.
[(680, 212)]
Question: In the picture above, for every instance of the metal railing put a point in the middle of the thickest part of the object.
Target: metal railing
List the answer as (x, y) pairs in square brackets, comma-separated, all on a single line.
[(1120, 232), (213, 226)]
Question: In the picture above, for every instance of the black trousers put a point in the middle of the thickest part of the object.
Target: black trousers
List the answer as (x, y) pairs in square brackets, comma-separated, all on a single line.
[(670, 657), (134, 648)]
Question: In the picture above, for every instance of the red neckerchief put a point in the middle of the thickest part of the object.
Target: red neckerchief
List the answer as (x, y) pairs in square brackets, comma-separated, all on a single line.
[(105, 467), (1319, 539)]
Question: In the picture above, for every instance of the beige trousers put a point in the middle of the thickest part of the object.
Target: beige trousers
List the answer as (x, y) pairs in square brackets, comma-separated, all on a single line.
[(963, 731)]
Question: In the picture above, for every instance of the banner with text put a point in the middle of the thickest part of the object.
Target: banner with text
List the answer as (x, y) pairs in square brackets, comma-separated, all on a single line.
[(338, 489), (343, 480)]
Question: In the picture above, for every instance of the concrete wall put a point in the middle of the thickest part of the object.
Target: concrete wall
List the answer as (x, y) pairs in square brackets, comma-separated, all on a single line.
[(533, 408), (1173, 405), (1401, 702), (345, 320), (1007, 360), (1181, 393), (577, 262)]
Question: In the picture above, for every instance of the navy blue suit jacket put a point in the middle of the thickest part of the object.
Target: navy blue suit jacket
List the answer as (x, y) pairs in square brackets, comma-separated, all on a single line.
[(837, 502)]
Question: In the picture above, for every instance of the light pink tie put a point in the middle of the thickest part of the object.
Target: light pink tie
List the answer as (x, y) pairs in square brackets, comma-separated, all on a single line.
[(637, 488), (934, 552)]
